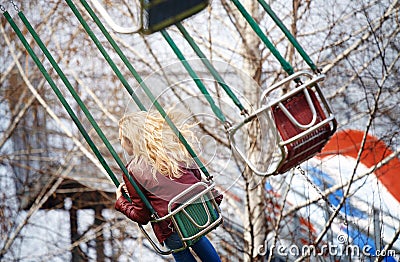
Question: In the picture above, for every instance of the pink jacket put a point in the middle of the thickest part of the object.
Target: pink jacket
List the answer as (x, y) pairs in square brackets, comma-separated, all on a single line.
[(159, 192)]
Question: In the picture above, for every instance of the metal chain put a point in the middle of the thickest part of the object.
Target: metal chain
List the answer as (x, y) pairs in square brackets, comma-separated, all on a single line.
[(331, 206), (2, 8), (16, 8)]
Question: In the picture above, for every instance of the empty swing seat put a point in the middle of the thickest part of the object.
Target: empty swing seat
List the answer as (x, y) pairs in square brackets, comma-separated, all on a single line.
[(300, 144), (159, 14), (154, 15), (301, 121)]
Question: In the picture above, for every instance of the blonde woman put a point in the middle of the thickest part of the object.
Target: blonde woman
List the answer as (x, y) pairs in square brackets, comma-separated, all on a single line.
[(162, 168)]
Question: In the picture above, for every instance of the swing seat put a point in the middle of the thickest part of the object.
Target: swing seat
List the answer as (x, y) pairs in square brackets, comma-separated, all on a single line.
[(298, 143), (194, 213), (154, 15), (159, 14), (301, 122)]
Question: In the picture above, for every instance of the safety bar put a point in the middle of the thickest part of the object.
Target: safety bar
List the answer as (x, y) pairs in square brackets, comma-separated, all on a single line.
[(154, 244), (307, 95), (312, 79), (294, 120), (231, 135), (114, 26)]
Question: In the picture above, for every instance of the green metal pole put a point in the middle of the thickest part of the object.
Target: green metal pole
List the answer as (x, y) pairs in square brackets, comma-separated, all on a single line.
[(140, 81), (285, 65), (289, 35), (210, 67), (85, 110), (106, 56), (110, 40), (196, 79)]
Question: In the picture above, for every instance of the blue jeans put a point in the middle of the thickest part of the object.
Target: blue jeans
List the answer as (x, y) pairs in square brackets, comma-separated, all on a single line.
[(203, 249)]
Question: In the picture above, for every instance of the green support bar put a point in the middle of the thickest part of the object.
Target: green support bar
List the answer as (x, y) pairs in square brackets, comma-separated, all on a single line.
[(108, 58), (137, 77), (289, 35), (61, 98), (285, 65), (210, 67), (85, 111), (111, 41), (193, 75)]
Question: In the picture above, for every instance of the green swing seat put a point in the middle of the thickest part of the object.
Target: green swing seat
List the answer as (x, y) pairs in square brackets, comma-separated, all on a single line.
[(194, 215)]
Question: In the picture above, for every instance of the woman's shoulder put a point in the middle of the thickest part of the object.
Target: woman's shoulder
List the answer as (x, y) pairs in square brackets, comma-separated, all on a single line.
[(140, 171), (191, 171), (136, 166)]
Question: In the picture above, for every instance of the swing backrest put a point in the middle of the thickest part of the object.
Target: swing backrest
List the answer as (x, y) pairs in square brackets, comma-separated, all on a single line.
[(194, 212)]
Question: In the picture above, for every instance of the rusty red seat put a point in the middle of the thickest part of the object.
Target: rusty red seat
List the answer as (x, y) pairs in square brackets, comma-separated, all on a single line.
[(300, 119)]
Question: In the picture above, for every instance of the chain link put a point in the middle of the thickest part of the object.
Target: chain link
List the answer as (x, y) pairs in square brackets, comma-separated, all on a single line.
[(331, 206), (2, 8), (16, 8)]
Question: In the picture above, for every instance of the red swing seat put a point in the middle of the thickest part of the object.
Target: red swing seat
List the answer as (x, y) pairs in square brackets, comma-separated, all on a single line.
[(301, 121), (299, 144)]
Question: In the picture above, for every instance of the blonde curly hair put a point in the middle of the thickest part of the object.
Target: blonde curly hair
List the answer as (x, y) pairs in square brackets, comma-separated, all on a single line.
[(155, 144)]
